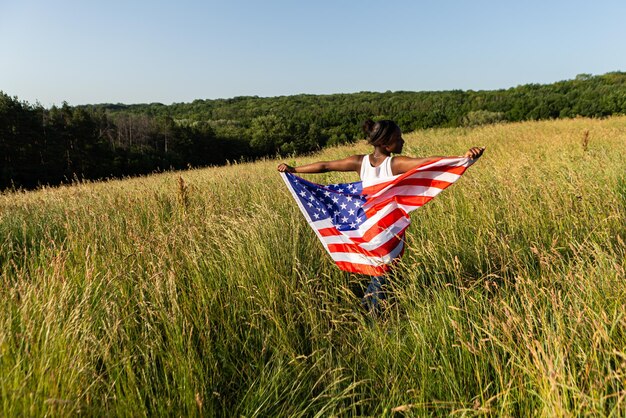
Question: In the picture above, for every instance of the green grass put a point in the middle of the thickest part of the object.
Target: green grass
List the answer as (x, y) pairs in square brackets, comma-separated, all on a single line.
[(148, 297)]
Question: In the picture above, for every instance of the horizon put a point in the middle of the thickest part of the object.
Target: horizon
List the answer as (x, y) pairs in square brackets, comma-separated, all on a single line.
[(306, 94), (155, 52)]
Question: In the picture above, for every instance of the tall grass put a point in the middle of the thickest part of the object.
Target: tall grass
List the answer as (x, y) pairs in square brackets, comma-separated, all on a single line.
[(206, 293)]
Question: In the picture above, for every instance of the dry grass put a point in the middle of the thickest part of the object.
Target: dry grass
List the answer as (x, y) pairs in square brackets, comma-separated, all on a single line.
[(205, 293)]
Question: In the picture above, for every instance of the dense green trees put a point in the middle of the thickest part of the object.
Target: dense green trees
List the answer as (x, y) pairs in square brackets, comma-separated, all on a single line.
[(40, 145)]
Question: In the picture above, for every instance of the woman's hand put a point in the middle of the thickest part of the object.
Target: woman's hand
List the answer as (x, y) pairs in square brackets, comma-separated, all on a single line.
[(284, 168), (474, 152)]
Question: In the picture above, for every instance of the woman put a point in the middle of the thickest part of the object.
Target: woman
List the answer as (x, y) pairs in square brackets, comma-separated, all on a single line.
[(386, 138)]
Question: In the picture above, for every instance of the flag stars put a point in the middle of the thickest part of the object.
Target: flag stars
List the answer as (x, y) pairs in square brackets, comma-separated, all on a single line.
[(351, 212), (343, 206)]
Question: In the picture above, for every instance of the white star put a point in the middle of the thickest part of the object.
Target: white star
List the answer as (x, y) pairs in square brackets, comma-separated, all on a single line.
[(343, 206), (335, 199), (344, 219), (316, 216), (336, 212), (302, 193), (349, 198), (351, 211), (357, 203), (310, 204), (359, 220), (353, 225), (340, 190), (329, 205), (311, 198), (326, 193), (324, 211)]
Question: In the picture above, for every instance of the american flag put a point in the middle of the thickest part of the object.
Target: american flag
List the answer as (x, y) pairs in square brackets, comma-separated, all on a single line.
[(362, 224)]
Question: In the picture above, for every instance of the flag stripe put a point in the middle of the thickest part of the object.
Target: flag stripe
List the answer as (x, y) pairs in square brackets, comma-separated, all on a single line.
[(363, 268), (413, 201), (363, 259), (379, 251)]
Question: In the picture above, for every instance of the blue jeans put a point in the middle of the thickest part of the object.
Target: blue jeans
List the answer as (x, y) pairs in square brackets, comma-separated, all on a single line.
[(375, 294)]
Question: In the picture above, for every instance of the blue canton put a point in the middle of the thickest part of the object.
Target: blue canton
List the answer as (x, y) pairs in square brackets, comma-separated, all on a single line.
[(341, 203)]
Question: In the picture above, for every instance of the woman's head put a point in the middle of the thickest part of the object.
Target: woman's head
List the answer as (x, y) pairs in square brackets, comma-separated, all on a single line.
[(381, 132), (384, 133)]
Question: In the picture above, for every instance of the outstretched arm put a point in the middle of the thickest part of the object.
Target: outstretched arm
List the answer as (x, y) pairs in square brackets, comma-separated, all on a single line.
[(352, 163), (401, 164)]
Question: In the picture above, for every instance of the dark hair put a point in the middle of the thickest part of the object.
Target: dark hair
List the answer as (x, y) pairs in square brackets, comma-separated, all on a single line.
[(379, 133)]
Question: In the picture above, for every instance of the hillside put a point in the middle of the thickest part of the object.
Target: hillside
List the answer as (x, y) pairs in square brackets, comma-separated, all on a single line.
[(204, 292), (52, 146)]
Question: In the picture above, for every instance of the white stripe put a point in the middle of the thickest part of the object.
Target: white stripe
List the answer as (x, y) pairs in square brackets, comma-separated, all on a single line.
[(435, 175), (324, 223)]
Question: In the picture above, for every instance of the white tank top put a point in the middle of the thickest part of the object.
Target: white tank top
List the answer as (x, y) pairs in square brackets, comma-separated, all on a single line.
[(368, 172)]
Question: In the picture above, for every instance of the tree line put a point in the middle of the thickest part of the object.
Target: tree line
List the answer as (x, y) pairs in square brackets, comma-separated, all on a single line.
[(56, 145)]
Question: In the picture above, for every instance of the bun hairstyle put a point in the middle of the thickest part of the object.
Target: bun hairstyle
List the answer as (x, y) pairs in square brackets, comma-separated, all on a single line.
[(379, 133)]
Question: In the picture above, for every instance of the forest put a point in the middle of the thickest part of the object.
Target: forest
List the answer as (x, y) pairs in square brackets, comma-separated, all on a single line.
[(40, 146)]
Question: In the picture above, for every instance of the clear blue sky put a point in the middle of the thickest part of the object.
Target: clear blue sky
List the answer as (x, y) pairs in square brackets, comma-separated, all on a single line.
[(137, 51)]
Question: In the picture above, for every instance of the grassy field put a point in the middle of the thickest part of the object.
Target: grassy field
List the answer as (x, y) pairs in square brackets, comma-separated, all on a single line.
[(206, 293)]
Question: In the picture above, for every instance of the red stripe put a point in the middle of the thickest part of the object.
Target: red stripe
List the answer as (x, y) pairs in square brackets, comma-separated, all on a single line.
[(440, 184), (454, 169), (329, 232), (363, 268), (381, 251), (402, 200)]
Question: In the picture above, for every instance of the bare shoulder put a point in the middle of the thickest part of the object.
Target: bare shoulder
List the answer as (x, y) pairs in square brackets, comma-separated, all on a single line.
[(401, 158), (401, 164)]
